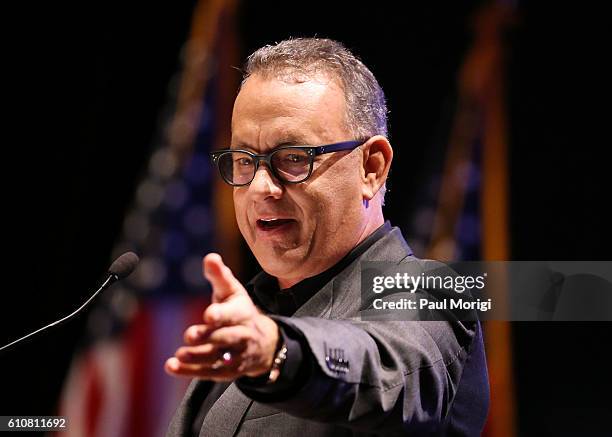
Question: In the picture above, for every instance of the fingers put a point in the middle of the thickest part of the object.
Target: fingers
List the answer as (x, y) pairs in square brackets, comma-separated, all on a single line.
[(204, 360), (197, 334), (207, 361), (221, 277), (232, 312), (175, 367), (233, 339), (206, 354), (231, 304)]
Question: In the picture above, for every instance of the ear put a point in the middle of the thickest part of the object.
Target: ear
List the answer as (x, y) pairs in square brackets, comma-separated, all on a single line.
[(377, 157)]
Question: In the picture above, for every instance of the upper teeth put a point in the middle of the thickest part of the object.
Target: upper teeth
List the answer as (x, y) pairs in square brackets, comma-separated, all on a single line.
[(268, 220)]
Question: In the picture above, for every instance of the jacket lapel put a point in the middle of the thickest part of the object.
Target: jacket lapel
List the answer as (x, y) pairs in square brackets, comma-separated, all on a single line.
[(342, 295), (226, 414), (185, 414)]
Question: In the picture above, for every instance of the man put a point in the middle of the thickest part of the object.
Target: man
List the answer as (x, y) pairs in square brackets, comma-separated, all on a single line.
[(291, 355)]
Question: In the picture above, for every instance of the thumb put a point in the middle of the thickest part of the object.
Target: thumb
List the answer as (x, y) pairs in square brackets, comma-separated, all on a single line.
[(222, 279)]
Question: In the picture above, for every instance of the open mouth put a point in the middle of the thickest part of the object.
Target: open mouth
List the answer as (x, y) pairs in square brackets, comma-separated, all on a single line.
[(272, 224)]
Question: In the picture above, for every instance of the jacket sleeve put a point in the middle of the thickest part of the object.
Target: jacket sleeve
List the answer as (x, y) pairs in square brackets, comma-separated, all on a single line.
[(392, 376)]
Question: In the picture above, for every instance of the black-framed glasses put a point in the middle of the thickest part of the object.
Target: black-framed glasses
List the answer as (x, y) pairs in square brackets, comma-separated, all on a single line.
[(289, 164)]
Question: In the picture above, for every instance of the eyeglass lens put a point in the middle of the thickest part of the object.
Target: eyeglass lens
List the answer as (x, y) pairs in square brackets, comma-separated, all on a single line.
[(289, 165)]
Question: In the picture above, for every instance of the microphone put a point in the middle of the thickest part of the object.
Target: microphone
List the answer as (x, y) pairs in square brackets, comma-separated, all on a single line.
[(119, 269), (123, 266)]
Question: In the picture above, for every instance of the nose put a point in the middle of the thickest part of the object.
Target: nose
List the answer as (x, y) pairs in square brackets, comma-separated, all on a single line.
[(265, 185)]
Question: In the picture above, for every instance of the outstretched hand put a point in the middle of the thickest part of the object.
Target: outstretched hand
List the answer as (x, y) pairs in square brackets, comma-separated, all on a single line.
[(235, 339)]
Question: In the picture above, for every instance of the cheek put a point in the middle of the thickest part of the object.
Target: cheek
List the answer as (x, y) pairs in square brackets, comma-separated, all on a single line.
[(330, 203), (339, 188), (241, 212)]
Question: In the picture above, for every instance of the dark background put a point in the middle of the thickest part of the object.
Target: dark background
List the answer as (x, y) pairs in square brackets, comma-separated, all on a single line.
[(83, 90)]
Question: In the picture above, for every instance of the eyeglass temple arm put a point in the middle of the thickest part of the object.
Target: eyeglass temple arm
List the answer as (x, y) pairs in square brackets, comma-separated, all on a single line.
[(337, 147)]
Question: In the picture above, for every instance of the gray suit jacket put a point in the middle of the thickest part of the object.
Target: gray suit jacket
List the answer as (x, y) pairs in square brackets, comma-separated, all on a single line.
[(402, 378)]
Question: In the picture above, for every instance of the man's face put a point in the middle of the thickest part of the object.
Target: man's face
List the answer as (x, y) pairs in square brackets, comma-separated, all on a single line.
[(297, 230)]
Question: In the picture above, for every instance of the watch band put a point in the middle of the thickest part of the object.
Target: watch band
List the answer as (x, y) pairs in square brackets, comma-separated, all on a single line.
[(277, 364)]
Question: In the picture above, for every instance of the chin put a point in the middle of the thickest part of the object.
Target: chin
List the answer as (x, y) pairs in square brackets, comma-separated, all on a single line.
[(279, 263)]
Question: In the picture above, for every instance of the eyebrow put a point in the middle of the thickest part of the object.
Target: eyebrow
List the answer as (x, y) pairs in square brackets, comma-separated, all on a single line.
[(287, 141)]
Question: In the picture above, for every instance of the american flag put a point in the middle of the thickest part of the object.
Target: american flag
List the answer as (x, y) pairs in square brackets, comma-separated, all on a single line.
[(116, 385)]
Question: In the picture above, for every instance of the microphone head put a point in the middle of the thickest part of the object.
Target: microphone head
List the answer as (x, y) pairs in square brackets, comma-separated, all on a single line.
[(124, 265)]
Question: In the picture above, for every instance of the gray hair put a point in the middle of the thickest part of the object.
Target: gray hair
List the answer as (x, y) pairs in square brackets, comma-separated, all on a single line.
[(365, 100)]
